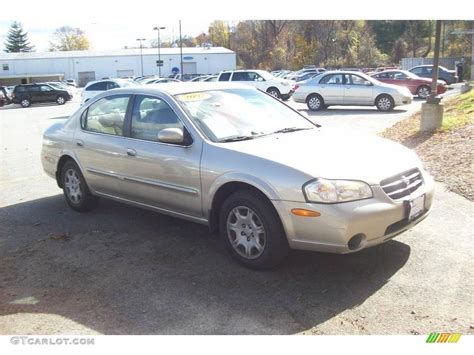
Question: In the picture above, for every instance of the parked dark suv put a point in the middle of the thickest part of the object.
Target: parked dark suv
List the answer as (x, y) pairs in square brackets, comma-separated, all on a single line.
[(426, 71), (27, 94)]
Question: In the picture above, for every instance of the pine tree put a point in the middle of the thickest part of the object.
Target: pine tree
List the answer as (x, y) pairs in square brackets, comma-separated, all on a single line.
[(17, 39)]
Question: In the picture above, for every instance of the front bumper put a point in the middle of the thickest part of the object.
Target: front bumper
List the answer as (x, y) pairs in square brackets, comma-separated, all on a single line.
[(375, 220), (403, 100)]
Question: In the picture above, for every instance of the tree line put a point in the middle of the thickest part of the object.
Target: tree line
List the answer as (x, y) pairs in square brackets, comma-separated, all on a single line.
[(65, 38), (275, 44)]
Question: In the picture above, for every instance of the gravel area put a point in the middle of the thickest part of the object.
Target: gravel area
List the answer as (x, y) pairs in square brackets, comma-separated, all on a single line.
[(446, 154)]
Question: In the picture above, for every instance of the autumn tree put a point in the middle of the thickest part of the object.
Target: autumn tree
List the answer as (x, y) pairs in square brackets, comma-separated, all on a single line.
[(218, 34), (17, 39), (68, 38)]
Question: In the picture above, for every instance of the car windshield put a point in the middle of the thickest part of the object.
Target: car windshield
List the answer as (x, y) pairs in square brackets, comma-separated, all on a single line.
[(239, 114), (264, 74)]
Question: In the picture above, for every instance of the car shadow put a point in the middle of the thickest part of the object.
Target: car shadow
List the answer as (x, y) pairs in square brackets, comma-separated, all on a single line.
[(33, 105), (123, 270), (340, 111)]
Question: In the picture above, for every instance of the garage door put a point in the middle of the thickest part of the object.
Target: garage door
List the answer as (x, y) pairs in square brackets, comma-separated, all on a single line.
[(189, 68), (124, 73), (84, 77)]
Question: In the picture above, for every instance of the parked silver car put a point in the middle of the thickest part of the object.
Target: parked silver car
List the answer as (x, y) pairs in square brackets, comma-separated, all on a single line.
[(349, 88), (243, 163)]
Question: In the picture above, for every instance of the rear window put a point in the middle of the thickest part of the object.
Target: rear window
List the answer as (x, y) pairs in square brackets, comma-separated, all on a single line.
[(224, 77), (19, 89), (102, 86)]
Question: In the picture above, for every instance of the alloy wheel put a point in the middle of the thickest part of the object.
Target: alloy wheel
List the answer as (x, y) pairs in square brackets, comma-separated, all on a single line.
[(424, 92), (384, 104), (72, 184), (314, 103)]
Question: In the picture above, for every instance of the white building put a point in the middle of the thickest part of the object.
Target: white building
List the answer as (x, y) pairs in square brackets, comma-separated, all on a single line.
[(84, 66)]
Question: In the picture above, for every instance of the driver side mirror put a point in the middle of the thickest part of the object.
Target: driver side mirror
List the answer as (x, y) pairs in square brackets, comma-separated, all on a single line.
[(368, 83), (174, 136), (171, 135)]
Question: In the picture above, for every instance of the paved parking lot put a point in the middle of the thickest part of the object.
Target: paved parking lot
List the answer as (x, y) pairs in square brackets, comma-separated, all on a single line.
[(123, 270)]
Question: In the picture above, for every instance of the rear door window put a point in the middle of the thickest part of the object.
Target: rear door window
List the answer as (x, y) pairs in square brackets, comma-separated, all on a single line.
[(241, 76), (333, 79), (224, 77), (107, 115)]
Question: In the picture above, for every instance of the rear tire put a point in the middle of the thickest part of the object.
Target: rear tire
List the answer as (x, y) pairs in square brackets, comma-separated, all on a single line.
[(274, 92), (384, 103), (25, 102), (315, 102), (75, 189), (252, 231)]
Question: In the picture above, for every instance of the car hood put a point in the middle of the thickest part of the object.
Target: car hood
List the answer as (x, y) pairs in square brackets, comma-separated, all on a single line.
[(397, 88), (332, 155)]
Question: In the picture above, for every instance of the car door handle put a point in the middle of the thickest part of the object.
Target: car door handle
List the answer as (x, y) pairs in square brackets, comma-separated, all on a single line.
[(79, 142), (131, 152)]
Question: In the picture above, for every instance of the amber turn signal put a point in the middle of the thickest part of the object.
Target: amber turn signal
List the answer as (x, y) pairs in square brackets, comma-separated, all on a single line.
[(305, 213)]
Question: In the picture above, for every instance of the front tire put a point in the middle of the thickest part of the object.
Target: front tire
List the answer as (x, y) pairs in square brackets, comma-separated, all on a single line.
[(60, 100), (252, 231), (423, 91), (384, 103), (75, 189)]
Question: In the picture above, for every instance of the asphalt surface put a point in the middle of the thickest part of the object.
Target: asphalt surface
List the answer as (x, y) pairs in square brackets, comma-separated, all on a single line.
[(123, 270)]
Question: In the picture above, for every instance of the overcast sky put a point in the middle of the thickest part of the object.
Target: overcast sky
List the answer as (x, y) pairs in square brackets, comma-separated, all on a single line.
[(115, 24), (104, 35)]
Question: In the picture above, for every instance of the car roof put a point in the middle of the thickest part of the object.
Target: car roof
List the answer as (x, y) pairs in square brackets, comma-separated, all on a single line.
[(343, 72), (244, 70), (177, 88), (102, 80)]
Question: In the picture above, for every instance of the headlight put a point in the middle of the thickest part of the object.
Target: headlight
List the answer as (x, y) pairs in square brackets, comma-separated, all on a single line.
[(405, 91), (334, 191)]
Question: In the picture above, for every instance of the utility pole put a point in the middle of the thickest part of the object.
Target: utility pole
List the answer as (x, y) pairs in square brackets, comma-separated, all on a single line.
[(159, 63), (432, 109), (181, 50), (433, 98), (141, 51)]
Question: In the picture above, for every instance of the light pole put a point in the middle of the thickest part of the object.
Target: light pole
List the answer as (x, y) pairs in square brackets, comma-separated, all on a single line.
[(156, 28), (141, 51)]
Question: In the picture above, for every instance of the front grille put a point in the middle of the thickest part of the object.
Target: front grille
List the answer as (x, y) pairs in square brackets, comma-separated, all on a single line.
[(401, 185)]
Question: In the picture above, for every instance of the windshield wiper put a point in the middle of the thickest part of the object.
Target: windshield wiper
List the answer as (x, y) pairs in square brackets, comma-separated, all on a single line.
[(290, 129), (238, 138)]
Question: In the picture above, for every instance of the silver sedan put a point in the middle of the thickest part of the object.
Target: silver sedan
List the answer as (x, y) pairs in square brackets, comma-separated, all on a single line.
[(349, 88), (241, 162)]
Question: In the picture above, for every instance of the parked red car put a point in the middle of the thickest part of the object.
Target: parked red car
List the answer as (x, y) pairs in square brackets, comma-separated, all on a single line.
[(417, 85)]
